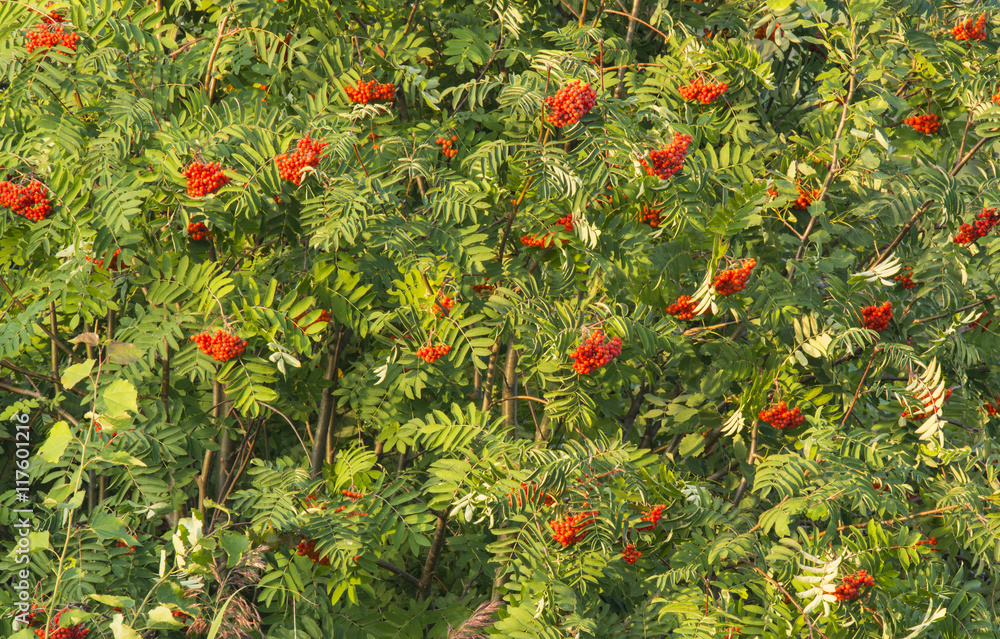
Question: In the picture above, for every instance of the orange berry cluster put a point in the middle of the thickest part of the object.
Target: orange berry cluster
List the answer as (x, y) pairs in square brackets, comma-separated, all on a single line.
[(51, 18), (30, 201), (996, 98), (761, 33), (653, 516), (651, 216), (368, 92), (927, 542), (927, 123), (991, 409), (670, 159), (222, 346), (442, 304), (877, 317), (904, 279), (203, 179), (446, 146), (350, 494), (313, 502), (928, 402), (197, 231), (780, 417), (430, 354), (701, 91), (483, 288), (734, 280), (594, 353), (969, 233), (630, 554), (531, 496), (683, 308), (46, 35), (121, 544), (77, 631), (544, 241), (966, 30), (732, 633), (324, 317), (805, 198), (307, 548), (569, 530), (113, 264), (307, 153), (180, 615), (850, 589), (570, 103)]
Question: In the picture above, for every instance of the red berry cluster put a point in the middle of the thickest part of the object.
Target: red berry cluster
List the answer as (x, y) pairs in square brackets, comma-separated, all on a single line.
[(780, 417), (996, 98), (630, 554), (904, 279), (430, 354), (77, 631), (927, 123), (927, 542), (969, 233), (368, 92), (222, 346), (594, 353), (113, 264), (121, 544), (313, 502), (570, 103), (734, 280), (183, 616), (977, 324), (307, 548), (324, 317), (670, 159), (442, 304), (350, 494), (532, 495), (544, 241), (51, 18), (307, 153), (805, 198), (653, 516), (570, 529), (761, 33), (877, 317), (46, 35), (197, 231), (966, 30), (484, 289), (732, 633), (651, 216), (30, 201), (203, 179), (683, 308), (701, 91), (850, 589), (446, 146), (928, 402)]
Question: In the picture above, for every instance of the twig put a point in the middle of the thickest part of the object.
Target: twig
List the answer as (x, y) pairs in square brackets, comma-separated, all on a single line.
[(209, 80), (924, 320)]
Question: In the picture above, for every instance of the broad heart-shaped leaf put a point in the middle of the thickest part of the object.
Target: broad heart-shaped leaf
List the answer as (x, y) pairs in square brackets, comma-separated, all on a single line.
[(235, 545), (123, 353), (75, 373), (91, 339), (778, 5), (120, 630), (54, 446), (107, 526), (120, 396), (160, 617)]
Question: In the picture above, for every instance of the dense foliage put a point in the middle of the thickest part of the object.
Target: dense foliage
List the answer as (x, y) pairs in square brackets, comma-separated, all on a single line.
[(504, 318)]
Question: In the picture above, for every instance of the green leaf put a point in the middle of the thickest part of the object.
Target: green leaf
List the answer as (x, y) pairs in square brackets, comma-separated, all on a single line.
[(160, 617), (75, 373), (112, 600), (107, 526), (235, 545), (55, 445), (120, 396)]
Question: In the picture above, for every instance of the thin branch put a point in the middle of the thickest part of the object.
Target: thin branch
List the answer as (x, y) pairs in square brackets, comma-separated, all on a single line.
[(924, 320), (30, 393), (398, 571)]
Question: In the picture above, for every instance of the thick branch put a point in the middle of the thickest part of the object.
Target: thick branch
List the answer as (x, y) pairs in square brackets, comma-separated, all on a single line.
[(424, 587)]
